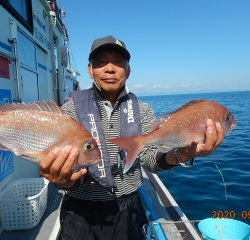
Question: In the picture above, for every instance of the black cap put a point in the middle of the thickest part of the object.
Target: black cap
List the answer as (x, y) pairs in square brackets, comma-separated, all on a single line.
[(109, 41)]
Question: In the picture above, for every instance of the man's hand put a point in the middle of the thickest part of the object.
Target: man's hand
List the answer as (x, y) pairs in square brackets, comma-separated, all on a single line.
[(57, 164), (214, 137)]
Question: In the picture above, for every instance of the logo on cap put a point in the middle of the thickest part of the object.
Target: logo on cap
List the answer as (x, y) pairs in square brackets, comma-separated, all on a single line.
[(117, 42)]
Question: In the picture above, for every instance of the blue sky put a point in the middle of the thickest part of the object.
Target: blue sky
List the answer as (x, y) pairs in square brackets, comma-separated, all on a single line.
[(176, 46)]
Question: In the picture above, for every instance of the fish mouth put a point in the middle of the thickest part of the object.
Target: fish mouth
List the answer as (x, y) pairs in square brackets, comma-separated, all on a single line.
[(233, 125), (94, 161), (78, 167)]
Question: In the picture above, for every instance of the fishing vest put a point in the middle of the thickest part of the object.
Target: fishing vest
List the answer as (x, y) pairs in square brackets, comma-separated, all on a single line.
[(89, 117)]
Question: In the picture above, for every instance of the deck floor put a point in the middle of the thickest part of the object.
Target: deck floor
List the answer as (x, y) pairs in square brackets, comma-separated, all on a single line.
[(49, 225)]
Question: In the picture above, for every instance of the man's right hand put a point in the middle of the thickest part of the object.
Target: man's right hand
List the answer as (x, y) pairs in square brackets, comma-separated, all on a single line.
[(57, 164)]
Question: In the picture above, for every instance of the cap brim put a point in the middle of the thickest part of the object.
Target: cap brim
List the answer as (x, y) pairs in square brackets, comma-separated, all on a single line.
[(118, 48)]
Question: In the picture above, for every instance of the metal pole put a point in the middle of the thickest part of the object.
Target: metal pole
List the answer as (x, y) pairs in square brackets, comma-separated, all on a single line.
[(154, 229), (18, 98), (55, 87)]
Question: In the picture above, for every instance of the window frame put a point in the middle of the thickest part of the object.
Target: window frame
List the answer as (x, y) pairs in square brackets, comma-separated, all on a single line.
[(27, 24)]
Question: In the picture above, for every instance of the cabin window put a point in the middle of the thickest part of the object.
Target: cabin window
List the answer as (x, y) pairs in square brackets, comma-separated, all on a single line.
[(27, 52), (21, 10), (20, 6)]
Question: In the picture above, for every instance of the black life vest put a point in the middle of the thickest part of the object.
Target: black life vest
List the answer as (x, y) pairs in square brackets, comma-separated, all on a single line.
[(89, 117)]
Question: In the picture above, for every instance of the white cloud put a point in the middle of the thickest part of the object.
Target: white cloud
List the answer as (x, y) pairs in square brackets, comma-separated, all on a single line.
[(160, 88), (180, 88), (140, 86)]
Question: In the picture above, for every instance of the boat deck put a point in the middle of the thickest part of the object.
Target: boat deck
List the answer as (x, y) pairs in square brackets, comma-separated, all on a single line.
[(159, 206), (49, 225)]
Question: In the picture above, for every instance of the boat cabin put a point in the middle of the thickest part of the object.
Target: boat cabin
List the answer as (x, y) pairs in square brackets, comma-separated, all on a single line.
[(34, 66)]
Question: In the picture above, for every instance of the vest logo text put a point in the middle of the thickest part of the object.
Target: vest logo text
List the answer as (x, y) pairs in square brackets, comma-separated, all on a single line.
[(95, 135), (130, 111)]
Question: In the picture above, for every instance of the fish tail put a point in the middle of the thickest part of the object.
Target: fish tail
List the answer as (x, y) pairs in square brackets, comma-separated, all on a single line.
[(133, 145)]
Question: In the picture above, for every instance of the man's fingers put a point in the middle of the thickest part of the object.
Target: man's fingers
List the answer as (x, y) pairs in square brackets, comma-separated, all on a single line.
[(57, 165), (77, 175), (186, 153), (214, 137), (211, 136), (48, 160), (220, 134), (193, 145), (70, 161)]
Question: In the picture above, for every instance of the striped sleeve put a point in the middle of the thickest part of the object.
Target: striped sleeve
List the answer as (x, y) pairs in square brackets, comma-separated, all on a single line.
[(150, 154), (70, 110)]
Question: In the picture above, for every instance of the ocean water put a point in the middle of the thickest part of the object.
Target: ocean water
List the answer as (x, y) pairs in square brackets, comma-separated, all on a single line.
[(199, 191)]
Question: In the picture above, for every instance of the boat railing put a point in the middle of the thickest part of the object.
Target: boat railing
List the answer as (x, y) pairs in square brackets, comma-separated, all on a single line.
[(165, 220), (153, 230)]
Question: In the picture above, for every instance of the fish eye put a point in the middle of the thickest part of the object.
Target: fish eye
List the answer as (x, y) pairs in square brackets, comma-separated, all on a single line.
[(88, 146), (227, 118)]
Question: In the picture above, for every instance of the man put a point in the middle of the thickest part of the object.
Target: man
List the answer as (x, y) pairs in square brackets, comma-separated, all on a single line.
[(103, 204)]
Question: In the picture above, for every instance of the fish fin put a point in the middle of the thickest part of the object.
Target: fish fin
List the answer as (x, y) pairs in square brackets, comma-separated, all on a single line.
[(133, 145), (26, 155), (10, 107), (165, 116), (163, 148), (48, 106), (158, 121), (188, 104), (43, 106), (55, 108), (3, 148)]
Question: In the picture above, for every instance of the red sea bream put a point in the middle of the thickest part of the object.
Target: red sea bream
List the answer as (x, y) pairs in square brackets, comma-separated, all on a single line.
[(32, 130), (178, 128)]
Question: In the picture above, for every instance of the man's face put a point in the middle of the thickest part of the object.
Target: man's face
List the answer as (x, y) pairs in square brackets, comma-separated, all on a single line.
[(109, 70)]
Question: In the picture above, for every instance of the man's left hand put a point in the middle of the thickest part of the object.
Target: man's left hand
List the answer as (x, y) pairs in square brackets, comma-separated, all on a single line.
[(214, 137)]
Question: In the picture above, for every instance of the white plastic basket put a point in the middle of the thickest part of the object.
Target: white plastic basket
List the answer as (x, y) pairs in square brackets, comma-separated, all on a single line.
[(23, 203)]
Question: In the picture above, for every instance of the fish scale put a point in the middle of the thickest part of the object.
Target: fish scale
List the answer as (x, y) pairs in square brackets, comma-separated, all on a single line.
[(32, 130), (186, 125), (178, 128), (17, 135)]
